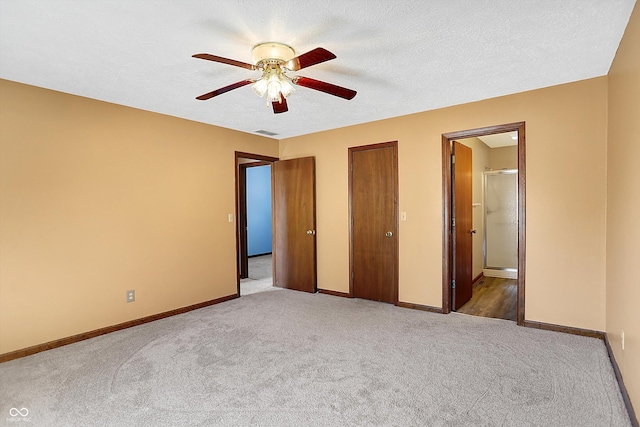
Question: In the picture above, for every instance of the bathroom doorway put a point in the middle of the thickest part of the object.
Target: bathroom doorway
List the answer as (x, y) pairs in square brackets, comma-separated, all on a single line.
[(483, 245)]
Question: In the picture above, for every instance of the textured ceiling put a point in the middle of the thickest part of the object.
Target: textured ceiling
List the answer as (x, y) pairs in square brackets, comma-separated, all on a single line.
[(402, 56), (500, 139)]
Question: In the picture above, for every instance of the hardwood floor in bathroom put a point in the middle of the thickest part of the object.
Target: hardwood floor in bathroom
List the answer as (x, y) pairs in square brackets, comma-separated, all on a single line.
[(493, 297)]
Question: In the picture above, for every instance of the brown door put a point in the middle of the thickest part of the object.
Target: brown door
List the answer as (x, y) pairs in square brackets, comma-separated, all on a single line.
[(294, 224), (462, 225), (374, 239)]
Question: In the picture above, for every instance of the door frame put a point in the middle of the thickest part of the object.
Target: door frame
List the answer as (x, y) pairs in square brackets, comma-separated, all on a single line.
[(447, 244), (241, 208), (243, 214), (394, 146)]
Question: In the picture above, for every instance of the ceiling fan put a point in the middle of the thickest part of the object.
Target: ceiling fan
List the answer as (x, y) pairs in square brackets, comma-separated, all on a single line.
[(274, 61)]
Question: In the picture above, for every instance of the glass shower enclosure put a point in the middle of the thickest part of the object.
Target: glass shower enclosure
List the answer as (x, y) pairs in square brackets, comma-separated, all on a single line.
[(501, 223)]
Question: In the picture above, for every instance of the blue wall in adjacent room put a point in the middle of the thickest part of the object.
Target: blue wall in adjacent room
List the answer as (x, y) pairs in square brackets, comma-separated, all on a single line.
[(259, 210)]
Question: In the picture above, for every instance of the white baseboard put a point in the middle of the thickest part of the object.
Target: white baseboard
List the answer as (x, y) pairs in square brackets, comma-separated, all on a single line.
[(504, 274)]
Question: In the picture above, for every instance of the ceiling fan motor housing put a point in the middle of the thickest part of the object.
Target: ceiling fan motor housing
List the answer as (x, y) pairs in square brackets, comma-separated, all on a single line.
[(271, 53)]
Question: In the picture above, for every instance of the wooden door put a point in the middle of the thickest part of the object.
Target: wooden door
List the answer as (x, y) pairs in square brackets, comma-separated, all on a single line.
[(462, 203), (294, 224), (373, 193)]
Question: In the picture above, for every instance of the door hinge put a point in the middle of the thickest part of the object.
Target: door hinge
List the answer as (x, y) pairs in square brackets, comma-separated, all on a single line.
[(453, 284), (453, 222), (453, 159), (353, 275)]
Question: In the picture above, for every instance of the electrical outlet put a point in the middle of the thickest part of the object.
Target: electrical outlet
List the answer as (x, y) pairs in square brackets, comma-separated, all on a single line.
[(131, 296), (622, 339)]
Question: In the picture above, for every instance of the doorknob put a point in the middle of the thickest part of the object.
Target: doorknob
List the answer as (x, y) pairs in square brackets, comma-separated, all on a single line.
[(473, 231), (311, 232), (388, 234)]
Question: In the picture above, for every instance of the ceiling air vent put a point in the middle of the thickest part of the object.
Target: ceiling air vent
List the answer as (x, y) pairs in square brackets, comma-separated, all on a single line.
[(266, 132)]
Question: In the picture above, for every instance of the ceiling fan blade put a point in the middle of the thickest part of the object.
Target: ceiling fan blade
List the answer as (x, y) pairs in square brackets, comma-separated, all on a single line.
[(280, 107), (224, 90), (325, 87), (215, 58), (310, 58)]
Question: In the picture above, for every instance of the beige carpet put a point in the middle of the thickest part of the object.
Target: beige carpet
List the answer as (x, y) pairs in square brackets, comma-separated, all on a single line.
[(290, 358), (260, 276)]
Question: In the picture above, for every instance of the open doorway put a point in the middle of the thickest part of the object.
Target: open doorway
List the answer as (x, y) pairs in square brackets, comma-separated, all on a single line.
[(483, 242), (494, 229), (254, 221)]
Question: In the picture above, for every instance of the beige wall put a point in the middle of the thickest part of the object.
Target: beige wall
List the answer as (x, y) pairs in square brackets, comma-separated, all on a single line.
[(96, 199), (623, 211), (504, 157), (480, 153), (565, 276)]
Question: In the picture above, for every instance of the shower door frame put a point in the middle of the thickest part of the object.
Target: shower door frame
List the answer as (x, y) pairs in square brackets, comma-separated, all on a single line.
[(486, 173), (447, 254)]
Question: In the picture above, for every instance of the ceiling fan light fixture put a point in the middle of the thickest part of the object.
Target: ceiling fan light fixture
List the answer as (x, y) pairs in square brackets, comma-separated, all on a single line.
[(274, 87), (273, 84), (260, 87), (286, 88)]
